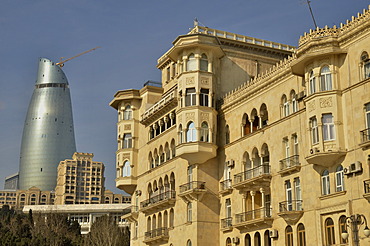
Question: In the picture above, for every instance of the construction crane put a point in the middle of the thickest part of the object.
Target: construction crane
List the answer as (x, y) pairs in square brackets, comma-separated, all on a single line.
[(61, 63)]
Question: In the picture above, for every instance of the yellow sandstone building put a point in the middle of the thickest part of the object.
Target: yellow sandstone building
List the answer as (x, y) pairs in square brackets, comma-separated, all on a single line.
[(250, 142)]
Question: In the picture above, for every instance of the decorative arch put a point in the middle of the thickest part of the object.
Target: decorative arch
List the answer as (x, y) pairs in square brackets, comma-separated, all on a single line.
[(264, 115)]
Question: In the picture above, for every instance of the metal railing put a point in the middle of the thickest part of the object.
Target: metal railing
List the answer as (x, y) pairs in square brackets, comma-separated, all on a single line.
[(192, 185), (365, 135), (293, 205), (227, 222), (253, 214), (171, 194), (367, 186), (252, 173), (226, 184), (163, 231), (291, 161)]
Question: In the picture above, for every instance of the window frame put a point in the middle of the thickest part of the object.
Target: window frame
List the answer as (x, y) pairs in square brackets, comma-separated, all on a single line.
[(314, 130), (289, 236), (325, 182), (204, 97), (190, 97), (339, 179), (328, 127), (191, 132), (312, 82), (329, 232), (326, 83), (127, 141)]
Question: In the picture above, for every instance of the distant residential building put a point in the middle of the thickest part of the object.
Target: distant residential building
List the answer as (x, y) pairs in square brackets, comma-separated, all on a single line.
[(11, 182)]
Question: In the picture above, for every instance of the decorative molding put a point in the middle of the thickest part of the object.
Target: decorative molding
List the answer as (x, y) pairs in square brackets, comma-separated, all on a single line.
[(204, 117), (127, 127), (189, 116), (189, 81), (204, 81), (126, 156), (326, 102), (311, 106)]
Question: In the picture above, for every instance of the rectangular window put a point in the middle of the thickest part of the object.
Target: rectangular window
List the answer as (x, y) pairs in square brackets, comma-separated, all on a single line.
[(314, 131), (289, 195), (295, 142), (312, 83), (190, 97), (298, 194), (328, 127), (203, 97)]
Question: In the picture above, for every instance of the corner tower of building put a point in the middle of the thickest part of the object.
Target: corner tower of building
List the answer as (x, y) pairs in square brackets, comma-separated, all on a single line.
[(48, 134)]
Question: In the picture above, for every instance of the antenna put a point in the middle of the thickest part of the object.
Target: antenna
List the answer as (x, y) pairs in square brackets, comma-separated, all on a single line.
[(313, 18), (61, 63)]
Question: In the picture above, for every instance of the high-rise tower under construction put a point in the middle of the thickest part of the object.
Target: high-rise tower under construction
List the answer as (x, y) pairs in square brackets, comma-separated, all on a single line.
[(48, 134)]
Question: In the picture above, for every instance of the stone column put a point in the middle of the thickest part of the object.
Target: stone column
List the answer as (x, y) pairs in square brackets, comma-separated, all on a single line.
[(253, 193)]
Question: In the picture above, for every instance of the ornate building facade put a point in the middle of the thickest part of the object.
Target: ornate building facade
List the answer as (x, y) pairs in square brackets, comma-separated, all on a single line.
[(250, 142)]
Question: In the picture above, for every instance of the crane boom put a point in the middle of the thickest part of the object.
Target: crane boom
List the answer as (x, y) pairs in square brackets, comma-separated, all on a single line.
[(61, 63)]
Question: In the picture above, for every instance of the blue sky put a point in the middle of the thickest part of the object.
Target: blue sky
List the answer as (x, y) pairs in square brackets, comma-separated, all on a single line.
[(133, 35)]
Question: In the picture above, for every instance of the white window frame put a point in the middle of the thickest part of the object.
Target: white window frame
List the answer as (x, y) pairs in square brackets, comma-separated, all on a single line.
[(191, 64), (326, 83), (191, 132), (289, 195), (127, 113), (314, 130), (328, 127), (204, 132), (126, 169), (312, 82), (189, 209), (339, 179), (190, 97), (325, 182), (298, 193), (285, 106), (127, 141)]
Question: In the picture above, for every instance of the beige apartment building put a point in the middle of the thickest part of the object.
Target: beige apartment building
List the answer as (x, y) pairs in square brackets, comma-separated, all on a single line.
[(250, 142), (80, 180)]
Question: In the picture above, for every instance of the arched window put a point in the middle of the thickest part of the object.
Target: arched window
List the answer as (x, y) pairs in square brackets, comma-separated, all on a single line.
[(192, 63), (154, 222), (189, 212), (204, 132), (293, 98), (173, 148), (342, 228), (126, 170), (312, 82), (289, 236), (325, 79), (264, 115), (167, 151), (301, 234), (127, 114), (188, 243), (339, 178), (149, 224), (285, 104), (257, 239), (256, 120), (366, 64), (247, 240), (227, 134), (165, 219), (246, 125), (329, 232), (172, 218), (159, 220), (228, 242), (204, 63), (180, 134), (127, 141), (191, 132), (267, 238), (325, 182)]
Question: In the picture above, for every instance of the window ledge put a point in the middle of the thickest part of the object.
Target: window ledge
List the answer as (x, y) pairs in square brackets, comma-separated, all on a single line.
[(339, 193)]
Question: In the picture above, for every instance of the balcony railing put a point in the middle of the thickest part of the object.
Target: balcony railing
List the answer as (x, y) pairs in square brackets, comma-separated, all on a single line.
[(192, 185), (253, 215), (169, 98), (252, 173), (365, 135), (156, 234), (167, 195), (289, 162), (293, 205), (226, 185), (226, 223)]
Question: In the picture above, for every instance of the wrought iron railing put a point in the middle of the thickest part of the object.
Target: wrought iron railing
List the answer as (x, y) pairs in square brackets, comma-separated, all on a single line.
[(367, 186), (252, 173), (163, 231), (252, 215), (227, 222), (226, 184), (291, 161), (171, 194), (192, 185), (365, 135), (293, 205)]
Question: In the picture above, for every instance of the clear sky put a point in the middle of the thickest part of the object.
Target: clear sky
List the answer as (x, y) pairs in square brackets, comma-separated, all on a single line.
[(133, 35)]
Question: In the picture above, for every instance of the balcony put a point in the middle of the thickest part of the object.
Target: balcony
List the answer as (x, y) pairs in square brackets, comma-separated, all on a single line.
[(157, 236), (227, 224), (127, 184), (132, 215), (196, 152), (289, 165), (192, 191), (291, 211), (365, 138), (325, 156), (164, 105), (163, 200), (259, 176), (252, 219), (367, 189), (226, 186)]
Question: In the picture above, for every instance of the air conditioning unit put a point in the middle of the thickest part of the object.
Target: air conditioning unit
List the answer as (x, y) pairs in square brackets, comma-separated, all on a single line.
[(274, 233), (346, 171), (231, 163), (355, 167), (314, 150), (236, 240)]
